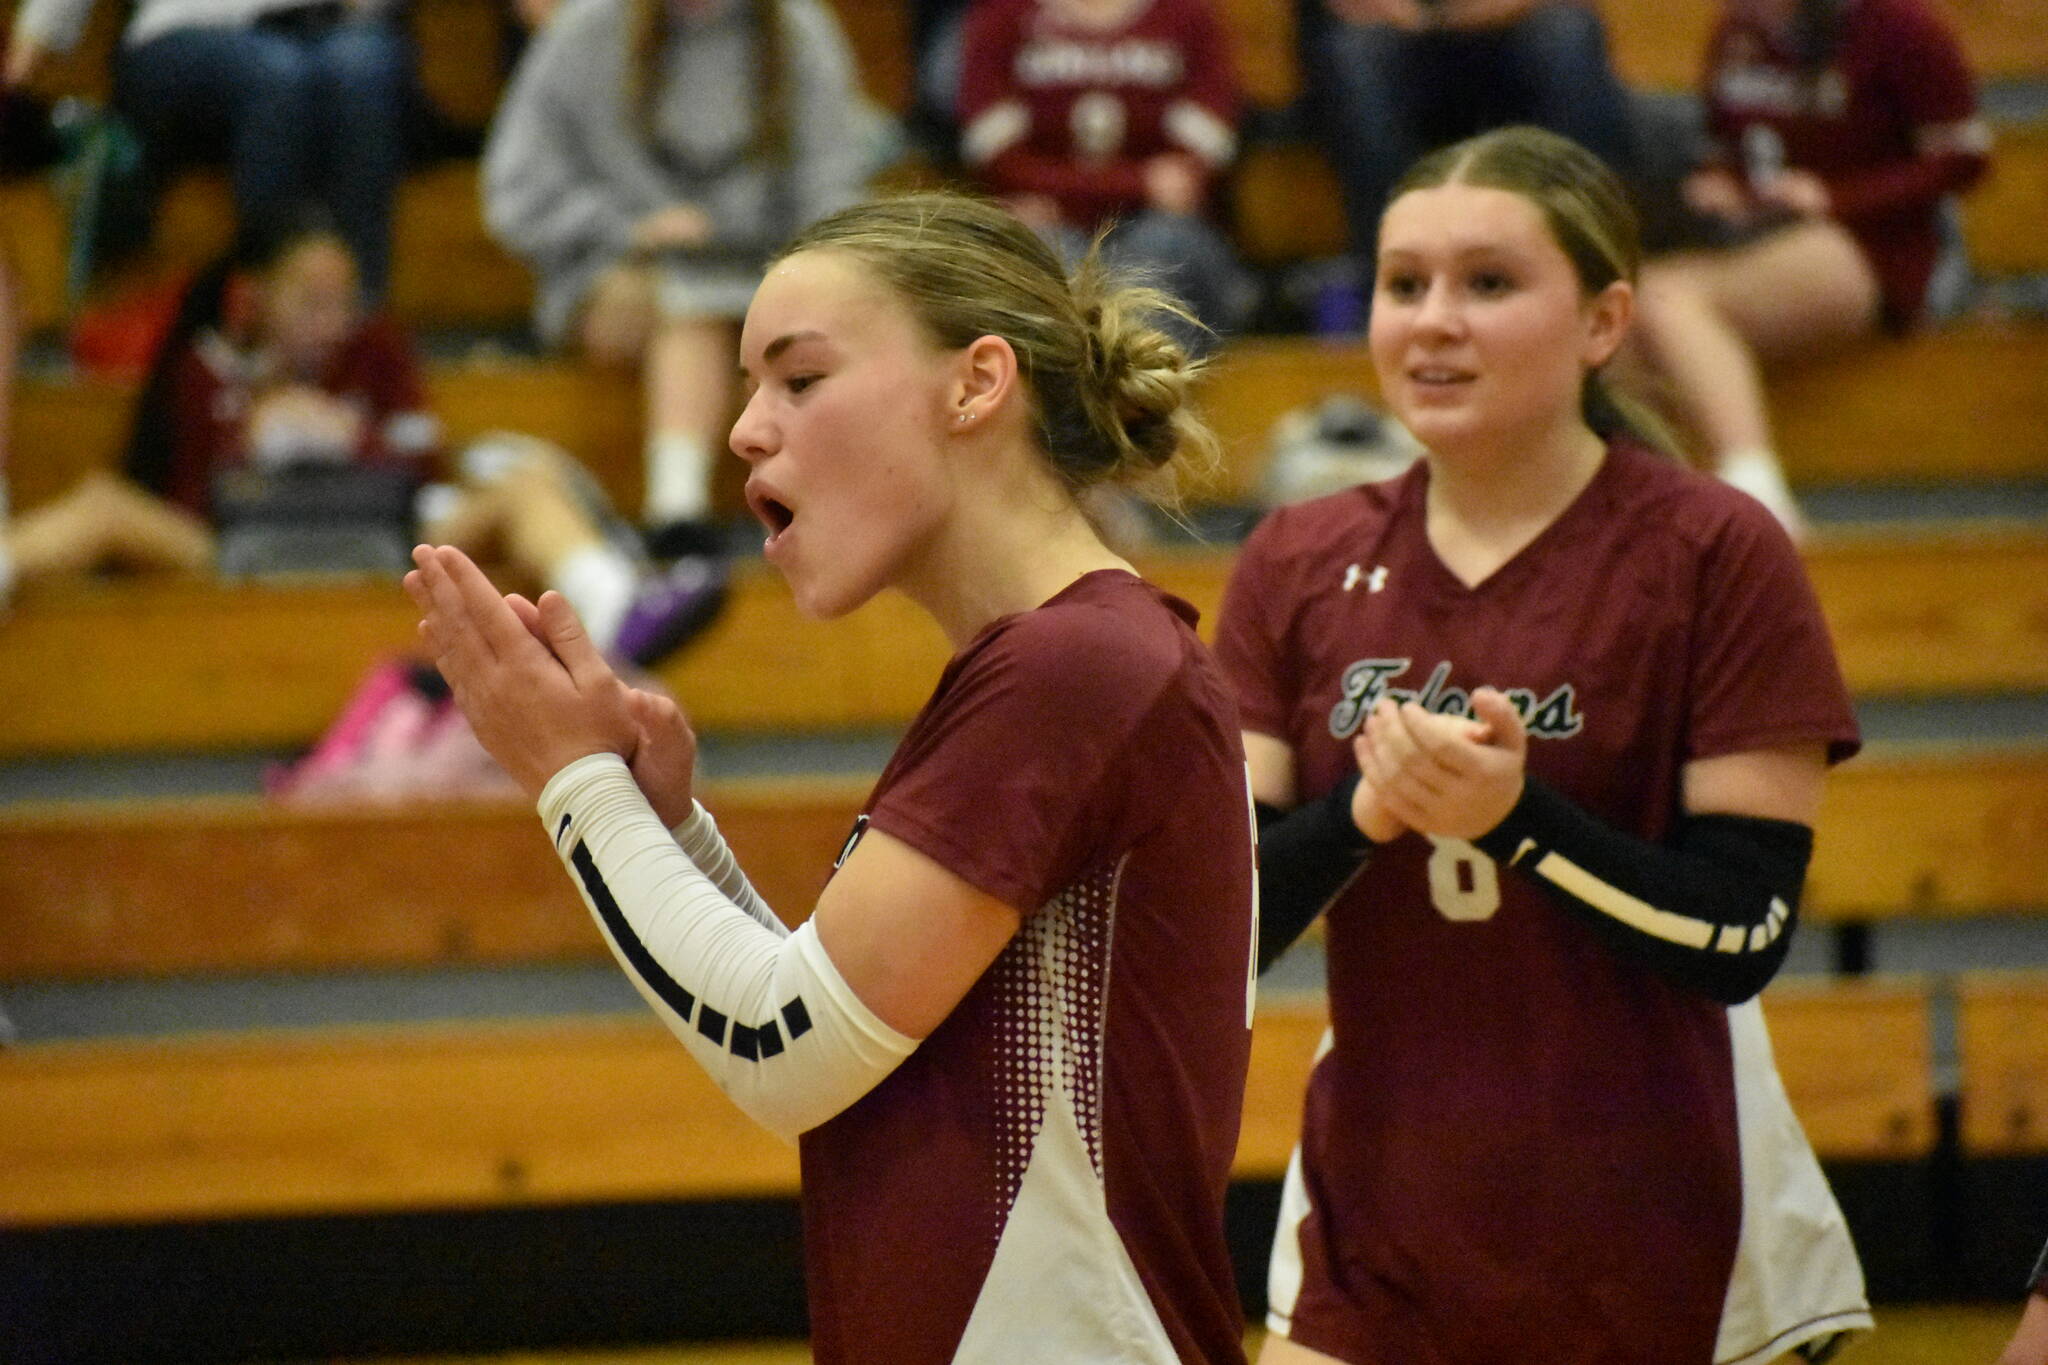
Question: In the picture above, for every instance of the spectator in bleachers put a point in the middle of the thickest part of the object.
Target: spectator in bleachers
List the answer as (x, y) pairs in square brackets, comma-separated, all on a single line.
[(1388, 80), (647, 157), (1839, 128), (935, 32), (307, 96), (1080, 114), (283, 365)]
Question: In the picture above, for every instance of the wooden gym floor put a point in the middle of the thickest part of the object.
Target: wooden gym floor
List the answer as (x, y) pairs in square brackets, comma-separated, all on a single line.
[(1937, 1335)]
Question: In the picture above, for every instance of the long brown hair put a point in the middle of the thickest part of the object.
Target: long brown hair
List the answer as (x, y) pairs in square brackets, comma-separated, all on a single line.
[(1589, 215), (651, 23)]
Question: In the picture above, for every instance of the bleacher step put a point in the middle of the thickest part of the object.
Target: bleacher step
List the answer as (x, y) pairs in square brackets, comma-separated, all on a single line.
[(167, 888), (614, 1109)]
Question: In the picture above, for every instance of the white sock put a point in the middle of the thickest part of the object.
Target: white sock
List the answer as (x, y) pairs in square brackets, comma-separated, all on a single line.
[(1756, 471), (678, 478), (599, 582)]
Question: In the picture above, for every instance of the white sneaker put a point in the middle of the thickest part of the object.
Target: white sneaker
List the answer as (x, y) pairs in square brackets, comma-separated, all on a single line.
[(1758, 474)]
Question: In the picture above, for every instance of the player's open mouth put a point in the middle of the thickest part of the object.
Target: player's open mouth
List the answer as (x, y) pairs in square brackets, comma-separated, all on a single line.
[(771, 511)]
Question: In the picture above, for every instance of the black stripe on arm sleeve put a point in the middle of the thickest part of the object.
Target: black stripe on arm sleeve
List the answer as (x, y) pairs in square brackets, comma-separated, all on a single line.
[(642, 963), (1306, 857), (1713, 910), (755, 1044)]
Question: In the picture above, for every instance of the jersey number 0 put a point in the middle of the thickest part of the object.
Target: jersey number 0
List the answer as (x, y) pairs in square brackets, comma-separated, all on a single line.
[(1464, 884)]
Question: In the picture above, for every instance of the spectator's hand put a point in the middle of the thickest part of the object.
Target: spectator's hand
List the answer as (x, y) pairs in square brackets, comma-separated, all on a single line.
[(1482, 13), (1402, 14), (298, 419), (1368, 811), (1174, 184), (1716, 192), (1039, 212), (1803, 192), (535, 707), (25, 60), (1446, 775), (678, 225)]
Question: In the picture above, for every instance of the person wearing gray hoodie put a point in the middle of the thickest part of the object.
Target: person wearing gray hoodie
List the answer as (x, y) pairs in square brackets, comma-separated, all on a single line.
[(647, 157)]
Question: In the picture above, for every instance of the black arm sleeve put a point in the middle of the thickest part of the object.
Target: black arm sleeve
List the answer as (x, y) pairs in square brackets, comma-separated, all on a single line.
[(1712, 911), (1306, 856), (2038, 1284)]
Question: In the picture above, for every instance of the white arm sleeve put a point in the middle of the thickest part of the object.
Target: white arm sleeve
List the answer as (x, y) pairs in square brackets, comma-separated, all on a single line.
[(702, 844), (763, 1010)]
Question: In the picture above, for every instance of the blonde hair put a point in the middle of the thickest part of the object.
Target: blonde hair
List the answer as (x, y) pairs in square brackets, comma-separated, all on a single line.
[(1587, 210), (1109, 389)]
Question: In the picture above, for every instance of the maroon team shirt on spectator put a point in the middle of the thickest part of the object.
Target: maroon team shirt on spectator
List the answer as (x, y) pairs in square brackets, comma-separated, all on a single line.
[(1071, 111), (1523, 1145), (1889, 124), (217, 384), (1043, 1179)]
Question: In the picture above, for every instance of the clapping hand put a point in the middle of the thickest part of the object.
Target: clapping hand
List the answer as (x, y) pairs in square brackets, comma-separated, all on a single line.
[(1447, 776), (664, 757), (535, 707)]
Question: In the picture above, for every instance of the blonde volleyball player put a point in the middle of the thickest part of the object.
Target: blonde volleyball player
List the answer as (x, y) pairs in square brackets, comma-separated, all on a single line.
[(1011, 1039)]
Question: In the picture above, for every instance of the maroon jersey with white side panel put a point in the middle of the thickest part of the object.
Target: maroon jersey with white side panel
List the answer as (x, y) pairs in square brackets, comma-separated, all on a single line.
[(1523, 1145), (1889, 122), (1043, 1179), (1053, 106)]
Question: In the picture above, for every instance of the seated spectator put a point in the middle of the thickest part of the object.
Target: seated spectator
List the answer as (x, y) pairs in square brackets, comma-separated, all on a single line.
[(283, 366), (309, 99), (1840, 127), (1090, 114), (647, 157), (1389, 80), (933, 117)]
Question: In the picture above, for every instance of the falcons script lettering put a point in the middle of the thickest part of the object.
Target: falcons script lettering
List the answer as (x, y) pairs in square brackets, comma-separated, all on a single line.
[(1365, 682)]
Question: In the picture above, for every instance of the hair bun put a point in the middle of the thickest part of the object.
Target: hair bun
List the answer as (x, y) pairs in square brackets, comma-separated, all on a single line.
[(1139, 377)]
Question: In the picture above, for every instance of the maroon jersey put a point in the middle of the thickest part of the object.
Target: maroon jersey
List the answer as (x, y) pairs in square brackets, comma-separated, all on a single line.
[(1053, 107), (216, 384), (1888, 121), (1043, 1179), (1522, 1144)]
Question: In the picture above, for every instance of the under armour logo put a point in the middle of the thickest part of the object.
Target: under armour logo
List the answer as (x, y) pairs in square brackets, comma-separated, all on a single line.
[(1374, 581)]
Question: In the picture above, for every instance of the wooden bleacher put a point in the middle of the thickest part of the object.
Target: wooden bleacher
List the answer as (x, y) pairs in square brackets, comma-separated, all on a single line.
[(193, 664), (111, 890), (1284, 205), (448, 272), (1962, 402), (586, 1110), (1653, 46), (2002, 1043), (453, 1116)]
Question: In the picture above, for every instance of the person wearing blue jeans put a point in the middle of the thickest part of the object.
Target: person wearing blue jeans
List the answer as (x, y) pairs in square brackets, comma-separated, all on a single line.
[(1389, 80), (309, 100)]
